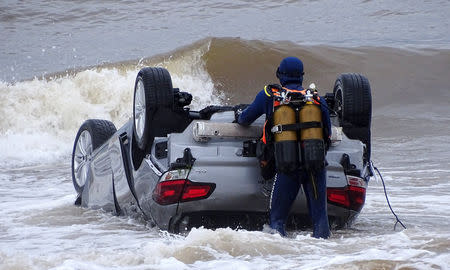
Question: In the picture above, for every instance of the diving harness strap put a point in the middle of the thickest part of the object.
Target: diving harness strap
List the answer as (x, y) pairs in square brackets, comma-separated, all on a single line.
[(295, 127), (295, 112)]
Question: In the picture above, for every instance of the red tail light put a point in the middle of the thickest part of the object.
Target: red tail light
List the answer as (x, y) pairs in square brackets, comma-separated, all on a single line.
[(168, 192), (350, 197), (338, 196), (174, 191), (195, 191), (357, 197)]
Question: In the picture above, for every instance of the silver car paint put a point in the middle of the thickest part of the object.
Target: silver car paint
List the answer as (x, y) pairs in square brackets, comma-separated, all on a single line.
[(239, 186)]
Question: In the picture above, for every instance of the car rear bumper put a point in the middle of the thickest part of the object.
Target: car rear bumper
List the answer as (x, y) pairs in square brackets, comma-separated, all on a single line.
[(253, 221)]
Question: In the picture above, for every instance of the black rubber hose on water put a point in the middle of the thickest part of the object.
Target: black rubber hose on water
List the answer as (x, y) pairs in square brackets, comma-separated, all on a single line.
[(382, 180), (387, 199)]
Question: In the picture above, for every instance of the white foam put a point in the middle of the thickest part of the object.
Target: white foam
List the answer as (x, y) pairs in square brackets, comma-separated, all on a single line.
[(40, 118), (203, 245)]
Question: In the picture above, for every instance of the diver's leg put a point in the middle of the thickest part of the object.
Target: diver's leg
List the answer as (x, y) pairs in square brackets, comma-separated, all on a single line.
[(284, 192), (316, 195)]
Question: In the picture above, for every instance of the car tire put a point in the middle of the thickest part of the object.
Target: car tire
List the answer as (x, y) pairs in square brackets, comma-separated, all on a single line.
[(353, 105), (91, 135), (353, 100), (153, 89)]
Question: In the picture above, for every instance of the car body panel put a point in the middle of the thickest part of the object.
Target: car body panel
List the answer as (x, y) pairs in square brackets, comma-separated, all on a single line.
[(240, 190)]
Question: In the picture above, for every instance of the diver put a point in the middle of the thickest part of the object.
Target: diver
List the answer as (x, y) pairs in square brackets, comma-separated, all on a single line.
[(288, 182)]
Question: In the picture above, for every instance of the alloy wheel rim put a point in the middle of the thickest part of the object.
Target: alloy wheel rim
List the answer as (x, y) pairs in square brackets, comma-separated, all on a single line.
[(82, 158), (139, 108)]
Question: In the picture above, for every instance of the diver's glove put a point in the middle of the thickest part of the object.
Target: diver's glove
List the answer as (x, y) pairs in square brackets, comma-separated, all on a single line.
[(237, 113), (238, 109)]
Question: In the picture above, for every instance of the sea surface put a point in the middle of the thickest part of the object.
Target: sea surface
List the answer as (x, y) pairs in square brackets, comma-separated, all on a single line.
[(62, 62)]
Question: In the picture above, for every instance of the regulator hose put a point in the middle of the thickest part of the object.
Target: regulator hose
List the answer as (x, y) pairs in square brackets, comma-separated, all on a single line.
[(324, 104), (387, 199)]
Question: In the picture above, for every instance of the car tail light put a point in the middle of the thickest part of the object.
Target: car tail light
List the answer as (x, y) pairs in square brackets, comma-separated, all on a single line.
[(181, 190), (338, 196), (352, 196), (194, 191), (168, 192), (357, 197)]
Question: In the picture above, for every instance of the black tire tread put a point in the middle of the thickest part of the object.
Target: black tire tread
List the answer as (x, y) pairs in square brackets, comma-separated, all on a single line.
[(158, 94), (356, 98), (356, 109), (100, 131)]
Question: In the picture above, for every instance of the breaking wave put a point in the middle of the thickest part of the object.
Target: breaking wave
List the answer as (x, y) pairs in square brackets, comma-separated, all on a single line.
[(40, 117)]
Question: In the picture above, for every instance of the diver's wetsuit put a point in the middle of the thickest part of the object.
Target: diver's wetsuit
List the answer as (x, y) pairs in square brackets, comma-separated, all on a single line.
[(286, 186)]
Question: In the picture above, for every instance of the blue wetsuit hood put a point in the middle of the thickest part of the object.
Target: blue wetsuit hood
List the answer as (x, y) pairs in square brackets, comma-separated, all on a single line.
[(290, 71)]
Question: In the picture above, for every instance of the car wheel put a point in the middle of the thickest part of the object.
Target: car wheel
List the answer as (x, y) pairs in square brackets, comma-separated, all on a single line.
[(153, 89), (353, 105), (353, 100), (92, 134)]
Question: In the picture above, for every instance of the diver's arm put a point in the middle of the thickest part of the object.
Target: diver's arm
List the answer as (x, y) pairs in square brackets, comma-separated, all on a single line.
[(255, 110)]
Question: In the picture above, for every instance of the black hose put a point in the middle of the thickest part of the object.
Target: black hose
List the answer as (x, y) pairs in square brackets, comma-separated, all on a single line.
[(382, 180), (387, 200)]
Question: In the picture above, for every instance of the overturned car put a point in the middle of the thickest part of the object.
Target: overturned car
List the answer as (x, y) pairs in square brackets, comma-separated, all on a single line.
[(181, 168)]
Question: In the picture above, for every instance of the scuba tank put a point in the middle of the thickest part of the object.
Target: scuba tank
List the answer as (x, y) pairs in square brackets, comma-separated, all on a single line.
[(285, 141), (311, 134), (297, 129)]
